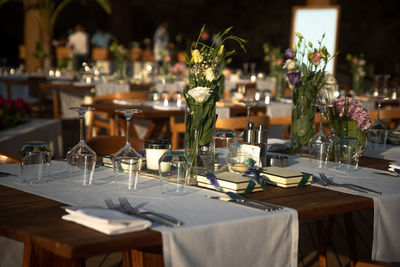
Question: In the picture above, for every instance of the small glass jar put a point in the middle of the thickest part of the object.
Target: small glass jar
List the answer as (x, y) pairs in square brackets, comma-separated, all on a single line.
[(154, 150), (174, 170), (35, 158)]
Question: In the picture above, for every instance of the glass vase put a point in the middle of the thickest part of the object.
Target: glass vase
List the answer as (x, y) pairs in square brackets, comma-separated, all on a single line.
[(200, 126), (357, 84), (279, 86), (303, 124)]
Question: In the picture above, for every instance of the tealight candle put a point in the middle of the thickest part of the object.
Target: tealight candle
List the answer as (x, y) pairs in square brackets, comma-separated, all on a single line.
[(154, 150)]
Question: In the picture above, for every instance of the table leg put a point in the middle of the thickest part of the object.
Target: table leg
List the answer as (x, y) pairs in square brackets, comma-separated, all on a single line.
[(348, 220), (148, 257), (36, 256), (321, 243)]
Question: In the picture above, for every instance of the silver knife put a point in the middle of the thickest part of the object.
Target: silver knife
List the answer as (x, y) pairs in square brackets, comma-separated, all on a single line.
[(245, 201)]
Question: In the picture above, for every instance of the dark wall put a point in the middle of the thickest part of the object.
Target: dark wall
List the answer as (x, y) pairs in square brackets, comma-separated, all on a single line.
[(366, 26)]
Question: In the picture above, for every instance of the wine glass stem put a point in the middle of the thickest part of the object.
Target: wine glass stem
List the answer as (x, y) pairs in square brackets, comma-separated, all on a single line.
[(248, 114), (81, 121), (379, 110), (320, 122), (128, 130)]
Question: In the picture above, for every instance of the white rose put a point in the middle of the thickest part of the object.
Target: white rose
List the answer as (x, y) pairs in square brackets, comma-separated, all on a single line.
[(209, 75), (197, 57), (200, 94), (290, 65)]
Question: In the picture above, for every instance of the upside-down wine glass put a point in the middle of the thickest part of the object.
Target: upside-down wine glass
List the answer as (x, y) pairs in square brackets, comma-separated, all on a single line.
[(127, 161), (377, 133), (81, 158), (320, 145), (248, 101)]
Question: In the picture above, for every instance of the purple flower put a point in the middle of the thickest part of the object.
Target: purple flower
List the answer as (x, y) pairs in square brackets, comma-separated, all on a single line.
[(293, 77), (289, 54)]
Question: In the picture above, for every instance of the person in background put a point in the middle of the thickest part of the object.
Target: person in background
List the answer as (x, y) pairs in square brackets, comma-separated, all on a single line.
[(101, 38), (79, 44), (161, 40)]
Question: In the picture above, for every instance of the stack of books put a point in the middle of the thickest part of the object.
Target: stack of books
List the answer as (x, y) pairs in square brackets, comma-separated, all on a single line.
[(229, 181), (285, 177), (237, 183)]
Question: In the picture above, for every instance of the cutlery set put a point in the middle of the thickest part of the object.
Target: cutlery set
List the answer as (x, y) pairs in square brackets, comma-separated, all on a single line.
[(327, 182)]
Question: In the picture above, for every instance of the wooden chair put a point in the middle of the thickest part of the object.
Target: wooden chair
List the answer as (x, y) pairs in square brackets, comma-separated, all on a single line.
[(390, 116), (109, 145), (136, 54), (285, 121), (109, 122), (235, 123), (375, 264), (240, 123), (63, 52), (176, 128), (7, 159)]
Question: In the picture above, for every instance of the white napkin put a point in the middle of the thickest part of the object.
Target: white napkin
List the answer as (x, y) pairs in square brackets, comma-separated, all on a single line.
[(394, 165), (110, 222)]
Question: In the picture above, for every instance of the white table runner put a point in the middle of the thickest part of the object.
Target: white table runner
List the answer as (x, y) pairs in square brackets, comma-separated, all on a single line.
[(214, 232), (386, 235)]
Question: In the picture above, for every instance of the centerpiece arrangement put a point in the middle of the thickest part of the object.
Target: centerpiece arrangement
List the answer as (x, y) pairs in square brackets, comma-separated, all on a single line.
[(356, 64), (274, 57), (347, 117), (120, 54), (305, 65), (349, 121), (201, 94)]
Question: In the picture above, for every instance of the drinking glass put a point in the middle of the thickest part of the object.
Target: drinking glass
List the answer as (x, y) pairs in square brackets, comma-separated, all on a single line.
[(174, 170), (223, 140), (127, 162), (81, 158), (347, 153), (35, 161), (320, 145)]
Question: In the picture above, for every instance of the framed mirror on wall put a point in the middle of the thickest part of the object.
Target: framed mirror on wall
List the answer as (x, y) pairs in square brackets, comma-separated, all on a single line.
[(312, 22)]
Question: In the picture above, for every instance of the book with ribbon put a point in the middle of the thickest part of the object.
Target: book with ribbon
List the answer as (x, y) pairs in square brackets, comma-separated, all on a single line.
[(285, 177), (228, 182)]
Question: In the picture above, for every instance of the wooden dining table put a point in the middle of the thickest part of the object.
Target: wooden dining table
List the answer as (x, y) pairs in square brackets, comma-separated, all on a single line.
[(51, 241)]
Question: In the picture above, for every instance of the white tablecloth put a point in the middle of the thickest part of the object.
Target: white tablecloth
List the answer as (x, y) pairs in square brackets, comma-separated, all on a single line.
[(214, 233), (386, 234)]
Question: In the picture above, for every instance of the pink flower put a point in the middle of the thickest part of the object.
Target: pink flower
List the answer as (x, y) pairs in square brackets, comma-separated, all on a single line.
[(316, 58), (279, 61), (10, 102)]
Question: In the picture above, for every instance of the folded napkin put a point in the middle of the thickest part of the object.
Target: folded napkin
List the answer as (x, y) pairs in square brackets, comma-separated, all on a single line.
[(393, 166), (110, 222)]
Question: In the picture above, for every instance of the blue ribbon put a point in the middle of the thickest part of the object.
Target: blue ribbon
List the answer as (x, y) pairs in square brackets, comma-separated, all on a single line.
[(213, 181), (254, 175)]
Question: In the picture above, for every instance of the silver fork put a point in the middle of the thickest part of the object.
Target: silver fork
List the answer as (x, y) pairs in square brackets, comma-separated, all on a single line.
[(354, 187), (127, 206), (110, 204)]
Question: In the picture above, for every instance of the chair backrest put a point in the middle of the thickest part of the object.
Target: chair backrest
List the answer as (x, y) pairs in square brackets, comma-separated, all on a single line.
[(176, 128), (133, 95), (240, 123), (109, 145), (63, 52), (99, 53), (7, 159)]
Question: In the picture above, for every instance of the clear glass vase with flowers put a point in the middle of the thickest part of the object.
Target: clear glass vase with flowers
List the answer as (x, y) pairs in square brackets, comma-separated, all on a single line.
[(205, 78), (120, 54), (305, 66), (357, 64), (349, 121), (274, 57)]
